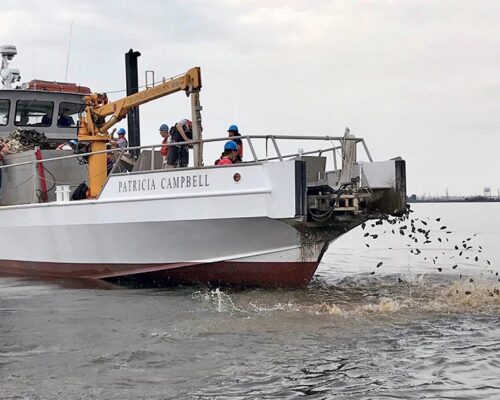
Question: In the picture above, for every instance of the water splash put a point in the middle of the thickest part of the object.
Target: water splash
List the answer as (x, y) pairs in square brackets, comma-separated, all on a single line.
[(418, 294), (290, 305), (325, 308), (385, 306), (476, 295), (364, 296), (222, 301)]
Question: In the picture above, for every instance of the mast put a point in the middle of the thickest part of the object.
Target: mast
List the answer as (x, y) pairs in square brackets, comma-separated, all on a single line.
[(8, 75)]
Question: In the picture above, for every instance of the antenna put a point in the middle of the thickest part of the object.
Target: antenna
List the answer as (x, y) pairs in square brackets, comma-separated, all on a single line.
[(34, 64), (69, 48)]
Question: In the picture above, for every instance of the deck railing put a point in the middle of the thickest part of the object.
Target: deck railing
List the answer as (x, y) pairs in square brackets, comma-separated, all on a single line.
[(271, 142)]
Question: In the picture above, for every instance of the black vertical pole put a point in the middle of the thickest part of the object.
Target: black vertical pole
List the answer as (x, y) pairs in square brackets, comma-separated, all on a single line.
[(132, 76)]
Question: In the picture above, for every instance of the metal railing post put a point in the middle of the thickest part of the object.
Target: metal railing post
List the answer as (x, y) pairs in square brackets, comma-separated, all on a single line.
[(250, 144), (366, 150), (276, 148)]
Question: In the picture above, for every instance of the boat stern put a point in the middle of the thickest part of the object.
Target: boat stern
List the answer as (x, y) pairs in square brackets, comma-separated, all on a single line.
[(328, 206)]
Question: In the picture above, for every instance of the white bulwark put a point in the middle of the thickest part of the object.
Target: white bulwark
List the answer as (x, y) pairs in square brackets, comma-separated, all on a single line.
[(237, 191)]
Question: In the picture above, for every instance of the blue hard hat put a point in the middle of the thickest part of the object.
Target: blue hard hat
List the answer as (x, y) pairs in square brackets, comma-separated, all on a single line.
[(121, 131), (233, 128), (230, 146), (163, 128), (73, 141)]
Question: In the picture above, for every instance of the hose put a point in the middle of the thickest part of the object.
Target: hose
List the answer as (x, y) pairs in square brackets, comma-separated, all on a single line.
[(323, 216)]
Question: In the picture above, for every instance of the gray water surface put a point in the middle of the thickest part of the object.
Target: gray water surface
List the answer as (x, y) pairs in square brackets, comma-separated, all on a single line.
[(407, 331)]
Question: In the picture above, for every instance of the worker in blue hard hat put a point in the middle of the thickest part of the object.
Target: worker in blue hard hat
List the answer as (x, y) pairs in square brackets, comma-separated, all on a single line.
[(229, 155), (164, 132), (233, 134), (70, 145), (121, 142)]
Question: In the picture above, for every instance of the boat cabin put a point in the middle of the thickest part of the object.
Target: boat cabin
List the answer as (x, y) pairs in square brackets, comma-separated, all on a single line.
[(51, 108), (53, 113)]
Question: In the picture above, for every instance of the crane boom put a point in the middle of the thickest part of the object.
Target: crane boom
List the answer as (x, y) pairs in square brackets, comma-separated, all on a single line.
[(98, 108), (94, 127)]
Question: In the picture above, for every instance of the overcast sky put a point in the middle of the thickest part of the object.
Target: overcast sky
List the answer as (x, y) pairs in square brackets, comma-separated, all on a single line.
[(415, 78)]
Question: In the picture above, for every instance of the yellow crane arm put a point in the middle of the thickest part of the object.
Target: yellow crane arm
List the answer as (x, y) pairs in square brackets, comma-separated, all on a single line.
[(98, 108), (93, 127)]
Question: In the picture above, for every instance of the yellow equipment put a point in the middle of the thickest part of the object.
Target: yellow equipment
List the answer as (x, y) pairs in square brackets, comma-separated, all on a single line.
[(94, 126)]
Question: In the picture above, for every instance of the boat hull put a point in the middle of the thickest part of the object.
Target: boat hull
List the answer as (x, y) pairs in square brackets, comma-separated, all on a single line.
[(249, 252), (160, 225), (263, 274)]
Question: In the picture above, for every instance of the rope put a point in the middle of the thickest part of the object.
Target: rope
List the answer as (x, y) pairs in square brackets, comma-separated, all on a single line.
[(22, 183), (143, 86)]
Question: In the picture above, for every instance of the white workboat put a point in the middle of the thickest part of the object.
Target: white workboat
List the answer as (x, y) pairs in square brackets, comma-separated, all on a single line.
[(266, 221)]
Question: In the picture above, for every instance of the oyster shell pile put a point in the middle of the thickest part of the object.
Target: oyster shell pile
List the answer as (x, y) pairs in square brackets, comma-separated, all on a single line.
[(27, 139)]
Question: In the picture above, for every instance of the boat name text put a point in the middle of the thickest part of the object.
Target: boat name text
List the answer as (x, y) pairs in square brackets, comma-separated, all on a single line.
[(151, 184)]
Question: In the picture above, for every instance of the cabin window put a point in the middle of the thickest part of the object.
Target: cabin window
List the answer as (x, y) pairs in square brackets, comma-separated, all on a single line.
[(34, 113), (4, 112), (68, 114)]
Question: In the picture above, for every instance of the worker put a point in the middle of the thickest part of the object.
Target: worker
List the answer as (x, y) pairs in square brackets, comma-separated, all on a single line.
[(166, 139), (229, 155), (4, 149), (110, 159), (178, 156), (65, 120), (349, 157), (121, 142), (233, 134), (71, 145), (46, 120)]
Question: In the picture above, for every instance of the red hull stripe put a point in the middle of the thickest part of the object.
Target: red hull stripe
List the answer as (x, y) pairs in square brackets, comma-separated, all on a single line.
[(233, 273)]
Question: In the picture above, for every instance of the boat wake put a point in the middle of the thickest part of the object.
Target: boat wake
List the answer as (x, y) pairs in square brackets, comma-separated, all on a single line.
[(362, 296)]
